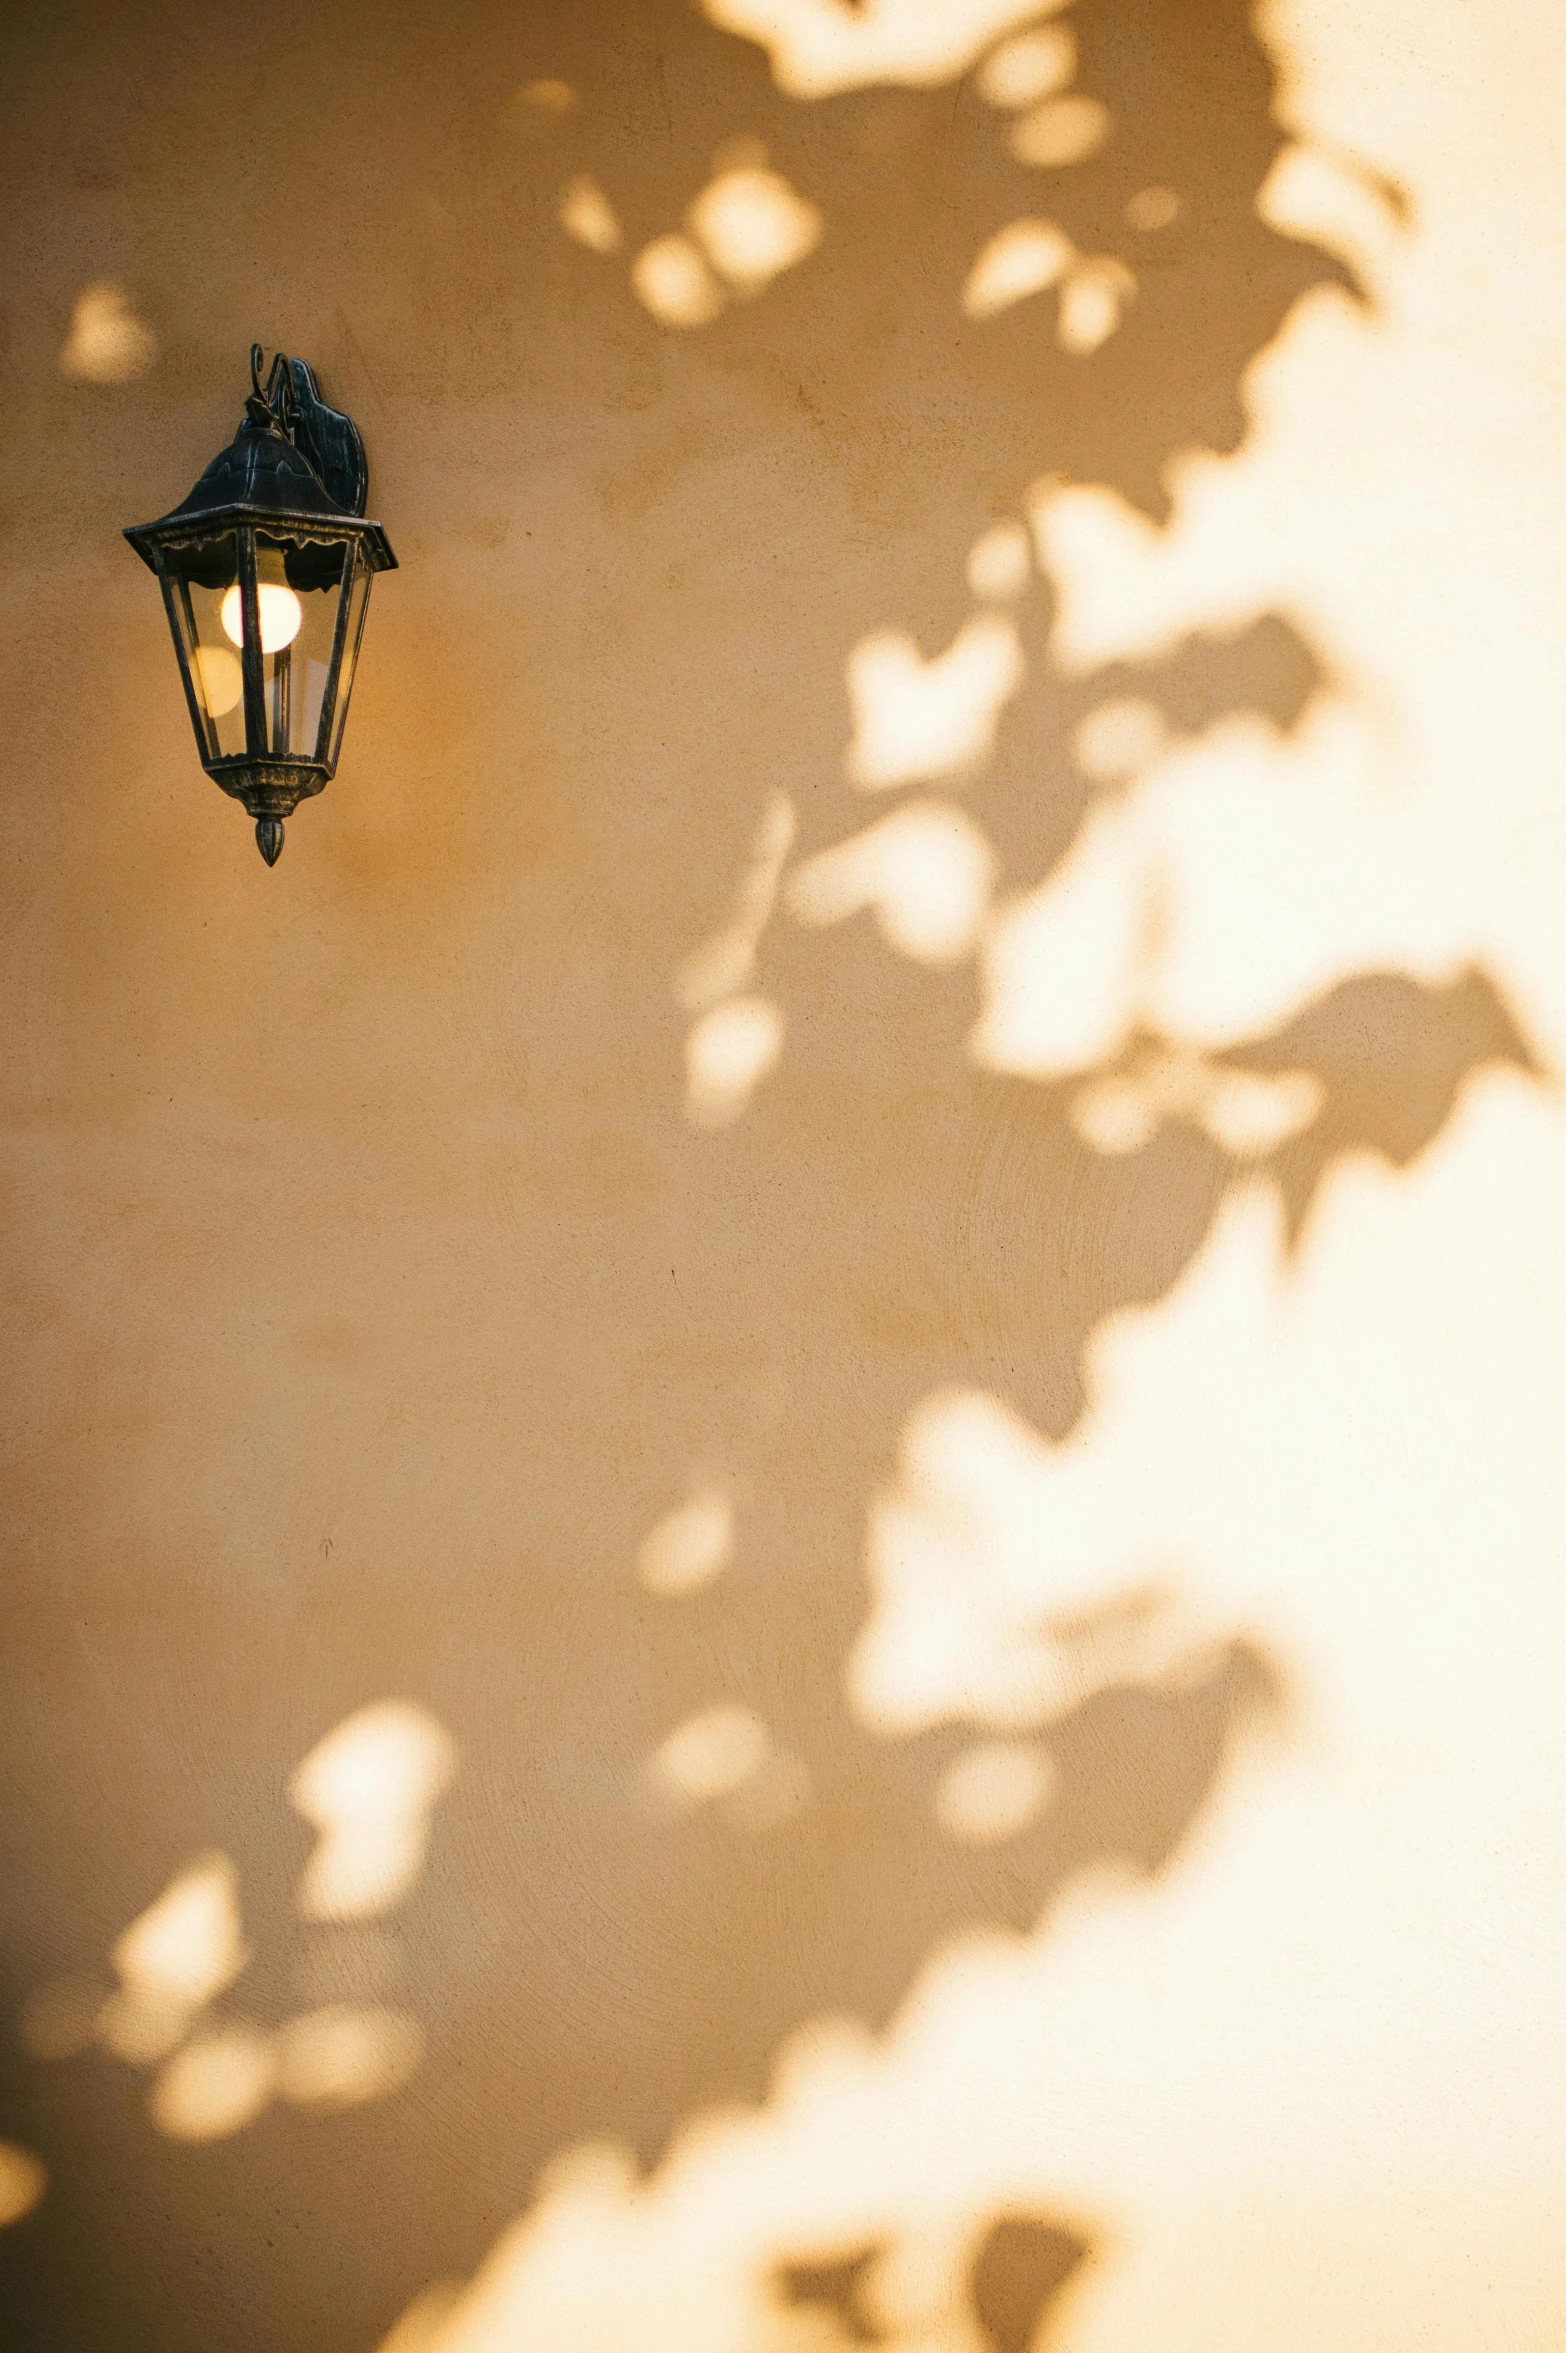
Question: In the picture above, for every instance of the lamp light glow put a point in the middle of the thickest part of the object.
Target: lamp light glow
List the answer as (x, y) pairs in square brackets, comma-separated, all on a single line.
[(281, 613)]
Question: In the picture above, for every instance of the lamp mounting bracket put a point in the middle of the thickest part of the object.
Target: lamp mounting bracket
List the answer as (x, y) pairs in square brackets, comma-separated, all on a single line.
[(327, 438)]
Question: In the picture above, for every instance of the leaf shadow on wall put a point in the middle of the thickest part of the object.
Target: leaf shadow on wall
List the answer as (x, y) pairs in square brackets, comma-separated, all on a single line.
[(1015, 2280), (776, 1298)]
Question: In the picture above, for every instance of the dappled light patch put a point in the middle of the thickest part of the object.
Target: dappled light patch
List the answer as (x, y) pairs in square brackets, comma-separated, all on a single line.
[(1063, 965), (1000, 562), (915, 720), (725, 1758), (1152, 209), (710, 1755), (587, 215), (689, 1546), (1092, 300), (548, 96), (1320, 192), (753, 225), (1119, 739), (109, 341), (744, 228), (422, 2328), (671, 278), (221, 2081), (1059, 132), (821, 47), (24, 2177), (728, 1053), (370, 1788), (184, 1949), (1027, 68), (969, 1621), (1022, 259), (927, 873), (343, 2055), (724, 962), (1248, 1113), (993, 1792)]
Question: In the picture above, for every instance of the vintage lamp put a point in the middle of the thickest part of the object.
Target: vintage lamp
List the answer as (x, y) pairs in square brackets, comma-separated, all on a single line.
[(265, 570)]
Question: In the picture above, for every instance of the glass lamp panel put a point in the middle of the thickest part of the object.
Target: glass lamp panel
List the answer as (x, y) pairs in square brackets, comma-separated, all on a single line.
[(202, 583), (358, 599), (298, 589)]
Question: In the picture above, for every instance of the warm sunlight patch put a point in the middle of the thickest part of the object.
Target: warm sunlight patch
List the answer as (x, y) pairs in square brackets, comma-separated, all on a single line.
[(819, 47), (753, 225), (215, 2086), (672, 279), (1019, 260), (370, 1788), (23, 2179), (587, 215), (1028, 67), (993, 1792), (689, 1547), (109, 342), (915, 719), (927, 872), (1059, 132), (727, 1055)]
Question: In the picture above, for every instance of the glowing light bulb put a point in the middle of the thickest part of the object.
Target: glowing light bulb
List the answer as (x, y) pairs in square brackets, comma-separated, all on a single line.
[(279, 607)]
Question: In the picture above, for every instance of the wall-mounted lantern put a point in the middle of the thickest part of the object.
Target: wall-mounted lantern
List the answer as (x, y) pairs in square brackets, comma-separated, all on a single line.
[(265, 571)]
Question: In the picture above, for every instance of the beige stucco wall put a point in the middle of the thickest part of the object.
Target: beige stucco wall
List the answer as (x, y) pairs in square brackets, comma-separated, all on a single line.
[(784, 1505)]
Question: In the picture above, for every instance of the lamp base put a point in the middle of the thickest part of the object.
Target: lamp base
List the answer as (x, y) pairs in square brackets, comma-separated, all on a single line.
[(270, 790)]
